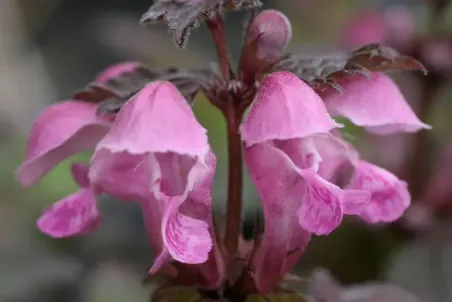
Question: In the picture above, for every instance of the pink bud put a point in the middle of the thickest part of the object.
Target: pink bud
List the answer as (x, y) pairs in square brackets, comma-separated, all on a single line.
[(266, 40), (272, 31)]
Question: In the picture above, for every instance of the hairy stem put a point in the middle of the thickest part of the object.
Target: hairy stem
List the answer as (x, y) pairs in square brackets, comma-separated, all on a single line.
[(216, 28), (234, 201)]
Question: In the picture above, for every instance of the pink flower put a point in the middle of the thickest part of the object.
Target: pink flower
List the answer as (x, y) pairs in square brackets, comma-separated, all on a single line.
[(153, 152), (376, 104), (282, 164), (75, 214), (293, 160), (157, 153)]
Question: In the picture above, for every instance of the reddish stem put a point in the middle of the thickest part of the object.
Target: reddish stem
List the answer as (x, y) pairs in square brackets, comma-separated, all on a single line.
[(234, 205), (216, 28), (228, 105)]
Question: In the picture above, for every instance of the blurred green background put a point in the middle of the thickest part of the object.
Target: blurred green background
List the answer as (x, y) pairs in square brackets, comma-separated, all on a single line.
[(50, 48)]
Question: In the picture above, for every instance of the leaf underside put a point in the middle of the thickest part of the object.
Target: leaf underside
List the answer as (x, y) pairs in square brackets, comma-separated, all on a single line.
[(182, 16), (115, 92), (323, 73)]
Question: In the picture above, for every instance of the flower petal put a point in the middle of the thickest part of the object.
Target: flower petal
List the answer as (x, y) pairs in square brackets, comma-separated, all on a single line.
[(320, 210), (60, 131), (302, 152), (356, 201), (337, 157), (127, 177), (115, 71), (152, 214), (199, 206), (123, 175), (285, 107), (157, 119), (77, 214), (280, 187), (376, 104), (389, 195), (187, 239)]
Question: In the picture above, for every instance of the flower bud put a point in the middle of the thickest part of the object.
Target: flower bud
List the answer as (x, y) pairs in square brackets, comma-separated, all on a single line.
[(266, 40)]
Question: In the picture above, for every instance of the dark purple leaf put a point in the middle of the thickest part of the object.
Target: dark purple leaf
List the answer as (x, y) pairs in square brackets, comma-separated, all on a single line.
[(114, 93), (323, 73), (183, 15)]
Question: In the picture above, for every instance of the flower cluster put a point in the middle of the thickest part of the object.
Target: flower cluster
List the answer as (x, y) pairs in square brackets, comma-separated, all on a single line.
[(154, 152)]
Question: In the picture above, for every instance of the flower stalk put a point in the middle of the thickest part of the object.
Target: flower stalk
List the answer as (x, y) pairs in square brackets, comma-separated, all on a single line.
[(235, 181), (216, 27), (233, 116)]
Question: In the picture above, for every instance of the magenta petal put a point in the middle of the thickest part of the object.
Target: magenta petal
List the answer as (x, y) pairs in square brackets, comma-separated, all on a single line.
[(157, 119), (187, 239), (336, 154), (356, 201), (280, 187), (285, 107), (199, 206), (77, 214), (126, 176), (152, 213), (320, 211), (302, 152), (115, 71), (60, 131), (389, 195), (376, 104), (123, 175)]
